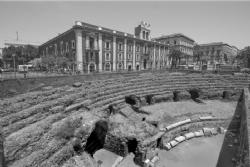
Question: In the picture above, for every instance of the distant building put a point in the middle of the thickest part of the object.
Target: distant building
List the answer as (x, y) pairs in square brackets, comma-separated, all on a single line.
[(182, 43), (18, 43), (97, 49), (211, 54), (19, 51)]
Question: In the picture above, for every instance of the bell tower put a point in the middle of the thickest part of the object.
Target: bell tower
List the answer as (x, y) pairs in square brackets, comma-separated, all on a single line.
[(142, 31)]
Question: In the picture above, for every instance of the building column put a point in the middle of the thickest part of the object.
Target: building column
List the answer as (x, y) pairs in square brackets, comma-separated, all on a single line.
[(159, 57), (125, 54), (79, 50), (134, 65), (154, 58), (163, 57), (114, 53), (96, 43), (87, 42), (100, 51)]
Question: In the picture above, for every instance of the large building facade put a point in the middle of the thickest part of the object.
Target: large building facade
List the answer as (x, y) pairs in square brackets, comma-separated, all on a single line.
[(182, 43), (217, 53), (98, 49)]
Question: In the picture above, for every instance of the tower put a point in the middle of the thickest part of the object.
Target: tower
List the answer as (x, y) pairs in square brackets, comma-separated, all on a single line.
[(142, 31)]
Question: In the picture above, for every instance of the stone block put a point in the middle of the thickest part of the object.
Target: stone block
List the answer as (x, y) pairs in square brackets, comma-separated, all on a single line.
[(77, 84), (163, 98), (189, 135)]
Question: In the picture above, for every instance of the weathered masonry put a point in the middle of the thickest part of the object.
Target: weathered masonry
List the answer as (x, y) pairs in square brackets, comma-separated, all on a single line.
[(98, 49)]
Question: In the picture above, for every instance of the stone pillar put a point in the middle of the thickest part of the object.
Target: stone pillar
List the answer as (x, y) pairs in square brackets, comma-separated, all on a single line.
[(100, 52), (125, 54), (114, 53), (154, 58), (87, 42), (79, 50), (163, 56), (134, 66)]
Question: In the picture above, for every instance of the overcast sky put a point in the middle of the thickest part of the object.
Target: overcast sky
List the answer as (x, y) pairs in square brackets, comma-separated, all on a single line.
[(202, 21)]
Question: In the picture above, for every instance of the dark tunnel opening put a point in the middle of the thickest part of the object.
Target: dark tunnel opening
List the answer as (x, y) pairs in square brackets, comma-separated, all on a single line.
[(158, 142), (149, 99), (130, 99), (97, 138), (194, 93), (176, 96), (226, 94), (132, 145)]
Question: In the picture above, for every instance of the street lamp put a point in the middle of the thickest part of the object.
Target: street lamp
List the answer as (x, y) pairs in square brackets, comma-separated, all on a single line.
[(14, 61)]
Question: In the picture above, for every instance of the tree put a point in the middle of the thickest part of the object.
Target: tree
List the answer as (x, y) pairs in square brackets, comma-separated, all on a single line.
[(243, 57), (23, 54), (175, 56)]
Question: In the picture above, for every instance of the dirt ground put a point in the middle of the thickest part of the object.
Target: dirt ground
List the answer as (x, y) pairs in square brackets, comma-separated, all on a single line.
[(170, 110)]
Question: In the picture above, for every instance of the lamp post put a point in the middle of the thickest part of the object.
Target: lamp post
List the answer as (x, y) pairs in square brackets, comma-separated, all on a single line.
[(14, 62)]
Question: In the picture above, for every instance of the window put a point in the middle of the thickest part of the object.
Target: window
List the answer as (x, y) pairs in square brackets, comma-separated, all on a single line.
[(120, 66), (73, 44), (67, 47), (107, 67), (175, 42), (143, 34), (129, 56), (119, 46), (145, 49), (91, 56), (137, 57), (55, 49), (130, 47), (107, 45), (138, 48), (91, 43), (147, 36), (120, 56), (107, 57), (61, 46), (47, 51)]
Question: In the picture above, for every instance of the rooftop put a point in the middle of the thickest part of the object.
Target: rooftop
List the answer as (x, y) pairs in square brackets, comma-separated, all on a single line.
[(173, 36), (19, 43), (81, 24), (216, 44)]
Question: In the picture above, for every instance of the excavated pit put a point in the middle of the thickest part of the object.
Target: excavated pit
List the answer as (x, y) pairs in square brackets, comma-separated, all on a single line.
[(149, 99), (176, 96), (97, 138)]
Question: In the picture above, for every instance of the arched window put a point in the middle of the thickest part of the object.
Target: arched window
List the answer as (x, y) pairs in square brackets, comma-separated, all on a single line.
[(137, 57), (120, 56), (91, 67), (120, 66), (107, 67)]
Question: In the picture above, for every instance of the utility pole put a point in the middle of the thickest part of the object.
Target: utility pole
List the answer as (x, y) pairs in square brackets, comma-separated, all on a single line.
[(17, 35)]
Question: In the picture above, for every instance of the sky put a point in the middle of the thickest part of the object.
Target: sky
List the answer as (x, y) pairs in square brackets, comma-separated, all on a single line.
[(204, 22)]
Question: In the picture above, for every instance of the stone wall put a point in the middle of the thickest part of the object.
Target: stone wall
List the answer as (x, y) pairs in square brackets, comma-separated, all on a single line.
[(116, 145), (244, 138)]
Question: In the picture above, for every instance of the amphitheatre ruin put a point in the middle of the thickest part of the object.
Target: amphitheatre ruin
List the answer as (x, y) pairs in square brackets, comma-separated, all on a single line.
[(139, 117)]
